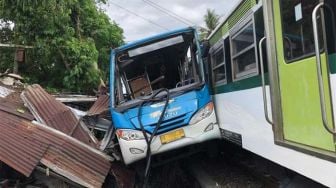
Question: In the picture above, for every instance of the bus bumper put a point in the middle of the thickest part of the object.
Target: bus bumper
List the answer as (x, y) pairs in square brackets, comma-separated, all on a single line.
[(205, 130)]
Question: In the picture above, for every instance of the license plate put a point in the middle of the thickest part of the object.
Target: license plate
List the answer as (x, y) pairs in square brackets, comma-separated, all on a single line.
[(172, 136)]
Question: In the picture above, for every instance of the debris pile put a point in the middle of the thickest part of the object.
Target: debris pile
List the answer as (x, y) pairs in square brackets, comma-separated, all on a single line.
[(39, 132), (54, 114)]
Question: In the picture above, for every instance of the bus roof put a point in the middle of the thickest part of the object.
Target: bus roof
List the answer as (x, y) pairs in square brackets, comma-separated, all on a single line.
[(153, 38)]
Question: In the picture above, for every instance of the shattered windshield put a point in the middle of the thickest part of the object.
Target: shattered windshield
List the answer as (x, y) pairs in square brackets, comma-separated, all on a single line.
[(169, 63)]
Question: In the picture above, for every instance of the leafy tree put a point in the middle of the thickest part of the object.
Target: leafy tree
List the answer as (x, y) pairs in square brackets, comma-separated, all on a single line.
[(6, 55), (71, 39), (211, 20)]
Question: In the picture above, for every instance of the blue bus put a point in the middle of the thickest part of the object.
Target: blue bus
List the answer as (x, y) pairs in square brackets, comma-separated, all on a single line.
[(159, 98)]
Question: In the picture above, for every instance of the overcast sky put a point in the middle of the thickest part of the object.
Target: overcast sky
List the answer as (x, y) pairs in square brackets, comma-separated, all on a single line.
[(136, 27)]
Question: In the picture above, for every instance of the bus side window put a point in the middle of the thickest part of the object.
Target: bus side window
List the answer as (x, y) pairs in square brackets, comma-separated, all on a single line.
[(218, 65)]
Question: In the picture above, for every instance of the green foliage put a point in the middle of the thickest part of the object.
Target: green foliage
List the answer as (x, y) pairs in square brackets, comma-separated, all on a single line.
[(6, 55), (71, 39), (211, 20), (86, 53)]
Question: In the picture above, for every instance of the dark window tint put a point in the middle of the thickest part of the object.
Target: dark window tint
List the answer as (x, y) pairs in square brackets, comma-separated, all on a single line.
[(298, 35), (243, 40), (219, 57), (228, 60), (243, 53), (219, 74), (245, 64), (260, 33), (330, 23)]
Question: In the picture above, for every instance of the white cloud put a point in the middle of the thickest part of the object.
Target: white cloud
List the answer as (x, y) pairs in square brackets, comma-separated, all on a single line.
[(136, 27)]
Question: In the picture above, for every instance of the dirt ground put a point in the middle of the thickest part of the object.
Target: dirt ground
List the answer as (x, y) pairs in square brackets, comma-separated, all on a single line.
[(217, 172)]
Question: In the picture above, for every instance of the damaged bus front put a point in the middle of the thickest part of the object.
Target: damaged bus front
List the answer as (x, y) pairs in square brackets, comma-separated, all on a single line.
[(160, 96)]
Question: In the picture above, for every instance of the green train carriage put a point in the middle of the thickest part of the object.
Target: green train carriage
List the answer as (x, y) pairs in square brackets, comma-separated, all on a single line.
[(272, 65)]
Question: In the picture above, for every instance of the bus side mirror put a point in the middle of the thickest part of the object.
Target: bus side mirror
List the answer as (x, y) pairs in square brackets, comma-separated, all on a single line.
[(205, 47)]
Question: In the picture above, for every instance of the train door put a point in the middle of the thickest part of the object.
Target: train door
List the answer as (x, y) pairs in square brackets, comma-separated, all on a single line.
[(305, 91)]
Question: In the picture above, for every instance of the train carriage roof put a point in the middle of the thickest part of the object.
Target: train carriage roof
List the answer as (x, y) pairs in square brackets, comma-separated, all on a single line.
[(232, 18)]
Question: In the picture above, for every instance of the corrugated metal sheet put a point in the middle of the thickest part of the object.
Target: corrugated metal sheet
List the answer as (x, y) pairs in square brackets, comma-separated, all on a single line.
[(17, 147), (100, 106), (73, 159), (15, 108), (53, 113), (24, 144), (60, 162)]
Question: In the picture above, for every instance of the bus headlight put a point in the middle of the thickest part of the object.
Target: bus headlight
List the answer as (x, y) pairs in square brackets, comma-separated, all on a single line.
[(202, 113), (129, 135)]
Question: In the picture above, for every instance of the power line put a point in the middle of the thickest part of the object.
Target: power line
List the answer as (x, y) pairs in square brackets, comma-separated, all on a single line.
[(131, 12), (170, 12), (166, 11)]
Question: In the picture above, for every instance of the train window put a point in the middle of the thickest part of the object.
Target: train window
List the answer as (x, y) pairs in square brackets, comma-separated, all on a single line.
[(218, 65), (219, 57), (298, 35), (244, 63), (331, 35)]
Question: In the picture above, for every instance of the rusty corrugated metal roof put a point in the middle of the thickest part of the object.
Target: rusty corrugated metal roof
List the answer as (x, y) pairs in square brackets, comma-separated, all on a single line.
[(100, 106), (24, 144), (54, 114), (60, 143), (70, 168), (18, 148), (15, 108), (73, 159)]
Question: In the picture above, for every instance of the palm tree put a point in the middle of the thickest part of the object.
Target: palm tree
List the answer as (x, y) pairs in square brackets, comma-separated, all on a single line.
[(211, 20)]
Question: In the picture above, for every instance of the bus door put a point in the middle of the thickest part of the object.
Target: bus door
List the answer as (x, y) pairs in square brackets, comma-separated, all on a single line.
[(305, 86)]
